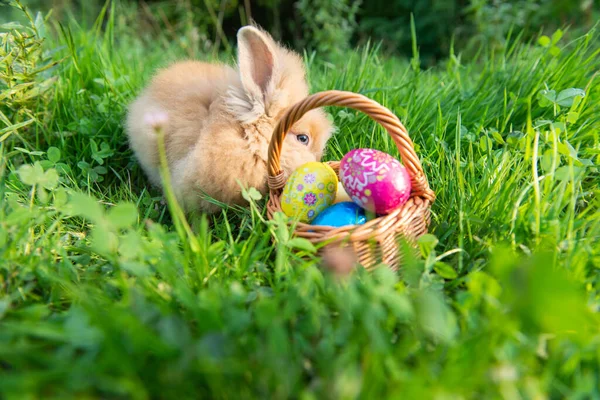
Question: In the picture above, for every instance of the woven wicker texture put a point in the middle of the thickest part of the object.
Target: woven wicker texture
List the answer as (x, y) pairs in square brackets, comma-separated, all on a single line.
[(377, 241)]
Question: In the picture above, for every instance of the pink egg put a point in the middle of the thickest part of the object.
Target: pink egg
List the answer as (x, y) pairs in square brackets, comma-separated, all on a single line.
[(375, 180)]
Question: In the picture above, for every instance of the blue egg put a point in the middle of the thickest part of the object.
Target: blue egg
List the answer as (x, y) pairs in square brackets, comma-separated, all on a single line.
[(341, 214)]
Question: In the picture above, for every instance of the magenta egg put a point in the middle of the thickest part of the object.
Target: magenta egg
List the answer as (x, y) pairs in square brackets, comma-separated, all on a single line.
[(375, 180)]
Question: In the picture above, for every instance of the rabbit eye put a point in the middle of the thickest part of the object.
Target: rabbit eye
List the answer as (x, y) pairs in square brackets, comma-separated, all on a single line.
[(302, 138)]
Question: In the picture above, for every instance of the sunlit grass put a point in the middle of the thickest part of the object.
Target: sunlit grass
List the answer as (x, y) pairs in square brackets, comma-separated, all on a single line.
[(100, 295)]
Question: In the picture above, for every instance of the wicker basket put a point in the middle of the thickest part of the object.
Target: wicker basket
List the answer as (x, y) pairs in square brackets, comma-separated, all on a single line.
[(377, 241)]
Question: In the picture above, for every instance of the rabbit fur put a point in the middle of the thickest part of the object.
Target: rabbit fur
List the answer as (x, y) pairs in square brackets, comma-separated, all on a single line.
[(218, 121)]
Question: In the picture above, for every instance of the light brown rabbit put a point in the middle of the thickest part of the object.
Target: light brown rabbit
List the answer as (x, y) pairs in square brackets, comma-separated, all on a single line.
[(219, 122)]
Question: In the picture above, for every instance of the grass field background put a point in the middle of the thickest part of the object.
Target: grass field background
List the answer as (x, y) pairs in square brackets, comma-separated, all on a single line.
[(105, 294)]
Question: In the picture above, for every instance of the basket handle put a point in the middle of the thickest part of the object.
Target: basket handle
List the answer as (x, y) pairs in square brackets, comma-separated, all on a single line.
[(379, 113)]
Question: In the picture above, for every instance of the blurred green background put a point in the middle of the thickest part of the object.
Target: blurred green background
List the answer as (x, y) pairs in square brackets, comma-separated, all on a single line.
[(331, 26)]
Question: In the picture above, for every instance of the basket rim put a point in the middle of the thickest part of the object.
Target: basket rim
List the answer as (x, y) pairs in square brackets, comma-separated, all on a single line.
[(414, 208)]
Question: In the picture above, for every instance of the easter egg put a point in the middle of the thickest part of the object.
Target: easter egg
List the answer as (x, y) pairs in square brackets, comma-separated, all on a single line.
[(341, 194), (375, 180), (341, 214), (310, 189)]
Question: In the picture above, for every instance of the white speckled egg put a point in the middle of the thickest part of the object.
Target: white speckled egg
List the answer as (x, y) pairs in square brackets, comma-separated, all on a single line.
[(310, 189), (341, 196)]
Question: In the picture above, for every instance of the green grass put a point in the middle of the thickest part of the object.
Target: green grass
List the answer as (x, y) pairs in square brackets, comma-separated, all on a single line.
[(103, 294)]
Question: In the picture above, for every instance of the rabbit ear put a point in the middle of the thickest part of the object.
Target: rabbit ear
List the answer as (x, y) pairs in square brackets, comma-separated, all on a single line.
[(258, 64), (269, 75)]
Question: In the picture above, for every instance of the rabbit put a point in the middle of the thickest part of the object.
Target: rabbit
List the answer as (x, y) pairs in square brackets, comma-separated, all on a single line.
[(218, 121)]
